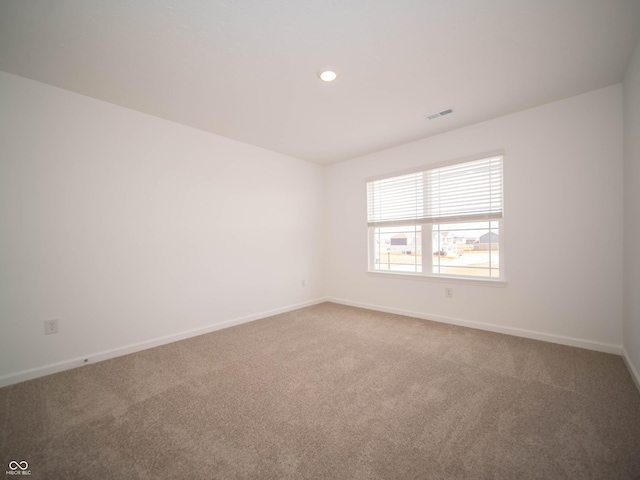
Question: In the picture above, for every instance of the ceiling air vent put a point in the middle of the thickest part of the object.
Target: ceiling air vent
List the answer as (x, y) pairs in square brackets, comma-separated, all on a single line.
[(433, 116)]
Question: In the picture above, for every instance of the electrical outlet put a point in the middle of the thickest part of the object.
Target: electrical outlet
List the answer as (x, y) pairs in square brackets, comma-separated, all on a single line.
[(303, 283), (50, 326), (448, 292)]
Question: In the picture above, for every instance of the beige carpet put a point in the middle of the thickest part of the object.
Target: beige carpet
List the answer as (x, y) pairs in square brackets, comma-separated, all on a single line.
[(332, 392)]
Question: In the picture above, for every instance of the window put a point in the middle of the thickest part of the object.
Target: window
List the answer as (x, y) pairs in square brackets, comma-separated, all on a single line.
[(442, 221)]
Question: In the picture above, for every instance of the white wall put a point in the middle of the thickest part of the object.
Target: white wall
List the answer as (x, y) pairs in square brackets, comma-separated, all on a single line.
[(631, 332), (128, 228), (563, 225)]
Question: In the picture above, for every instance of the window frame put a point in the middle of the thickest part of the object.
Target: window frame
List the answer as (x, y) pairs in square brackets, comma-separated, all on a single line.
[(426, 238)]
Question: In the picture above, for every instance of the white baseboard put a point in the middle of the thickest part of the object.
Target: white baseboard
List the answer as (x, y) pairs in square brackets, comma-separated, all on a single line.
[(32, 373), (631, 367), (518, 332)]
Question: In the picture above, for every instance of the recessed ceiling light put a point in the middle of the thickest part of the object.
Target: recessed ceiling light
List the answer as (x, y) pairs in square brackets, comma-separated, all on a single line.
[(327, 75)]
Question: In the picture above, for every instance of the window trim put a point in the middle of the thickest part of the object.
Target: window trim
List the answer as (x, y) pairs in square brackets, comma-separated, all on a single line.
[(441, 278), (499, 281)]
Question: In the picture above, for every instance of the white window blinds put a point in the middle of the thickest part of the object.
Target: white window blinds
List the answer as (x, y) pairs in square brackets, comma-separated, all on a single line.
[(462, 192)]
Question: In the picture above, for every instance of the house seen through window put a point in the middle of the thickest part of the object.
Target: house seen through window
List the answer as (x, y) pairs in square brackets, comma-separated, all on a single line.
[(443, 221)]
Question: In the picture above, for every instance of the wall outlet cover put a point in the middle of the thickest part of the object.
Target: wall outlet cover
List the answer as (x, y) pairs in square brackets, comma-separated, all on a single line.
[(50, 326)]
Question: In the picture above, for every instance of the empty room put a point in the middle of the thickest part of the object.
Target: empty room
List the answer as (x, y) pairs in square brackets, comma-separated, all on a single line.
[(273, 239)]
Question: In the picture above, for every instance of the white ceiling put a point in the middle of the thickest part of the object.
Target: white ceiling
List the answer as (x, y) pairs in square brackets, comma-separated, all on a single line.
[(246, 69)]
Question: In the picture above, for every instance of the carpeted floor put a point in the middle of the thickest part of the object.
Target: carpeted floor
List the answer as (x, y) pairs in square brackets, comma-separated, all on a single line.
[(332, 392)]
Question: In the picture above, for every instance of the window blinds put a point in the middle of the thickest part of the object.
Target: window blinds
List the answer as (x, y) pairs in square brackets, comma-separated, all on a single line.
[(462, 192)]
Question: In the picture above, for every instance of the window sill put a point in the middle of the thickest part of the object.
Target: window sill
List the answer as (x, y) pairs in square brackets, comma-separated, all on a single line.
[(485, 282)]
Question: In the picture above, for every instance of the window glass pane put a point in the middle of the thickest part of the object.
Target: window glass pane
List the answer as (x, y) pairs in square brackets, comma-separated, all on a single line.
[(398, 249), (466, 249)]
